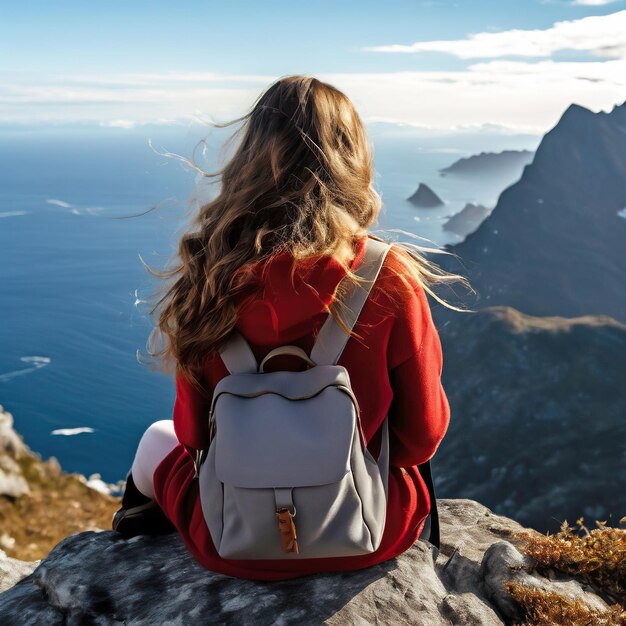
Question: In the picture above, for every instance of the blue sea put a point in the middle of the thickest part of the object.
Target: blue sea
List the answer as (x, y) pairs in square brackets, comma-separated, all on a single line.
[(73, 285)]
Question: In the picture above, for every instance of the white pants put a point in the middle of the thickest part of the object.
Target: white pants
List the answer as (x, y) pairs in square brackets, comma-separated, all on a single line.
[(155, 444)]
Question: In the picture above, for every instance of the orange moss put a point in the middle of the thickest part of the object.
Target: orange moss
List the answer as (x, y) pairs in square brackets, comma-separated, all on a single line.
[(597, 557), (550, 609)]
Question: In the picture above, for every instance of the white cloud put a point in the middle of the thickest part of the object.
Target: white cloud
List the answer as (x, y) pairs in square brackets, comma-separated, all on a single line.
[(523, 97), (594, 3), (119, 123), (501, 95), (600, 35), (124, 100)]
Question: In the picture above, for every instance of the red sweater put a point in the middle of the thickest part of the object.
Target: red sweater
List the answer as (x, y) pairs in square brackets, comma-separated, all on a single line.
[(396, 367)]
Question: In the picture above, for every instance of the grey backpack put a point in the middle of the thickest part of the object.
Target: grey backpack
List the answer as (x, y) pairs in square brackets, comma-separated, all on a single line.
[(288, 474)]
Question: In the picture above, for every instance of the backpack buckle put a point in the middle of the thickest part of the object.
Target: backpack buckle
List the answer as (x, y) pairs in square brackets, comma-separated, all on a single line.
[(286, 508)]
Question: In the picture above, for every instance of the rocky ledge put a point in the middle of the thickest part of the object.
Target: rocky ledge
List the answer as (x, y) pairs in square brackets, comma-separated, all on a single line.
[(39, 503), (99, 578)]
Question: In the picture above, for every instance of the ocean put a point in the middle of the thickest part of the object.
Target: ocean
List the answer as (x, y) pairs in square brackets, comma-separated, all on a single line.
[(73, 285)]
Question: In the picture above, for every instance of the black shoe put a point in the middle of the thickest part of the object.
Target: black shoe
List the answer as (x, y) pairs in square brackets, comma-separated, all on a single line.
[(139, 515)]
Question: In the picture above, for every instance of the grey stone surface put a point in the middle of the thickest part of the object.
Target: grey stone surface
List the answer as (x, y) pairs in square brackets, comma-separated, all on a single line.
[(99, 578), (13, 570)]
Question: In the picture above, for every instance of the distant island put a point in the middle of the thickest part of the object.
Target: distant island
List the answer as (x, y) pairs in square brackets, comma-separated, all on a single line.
[(425, 198), (494, 163), (467, 220)]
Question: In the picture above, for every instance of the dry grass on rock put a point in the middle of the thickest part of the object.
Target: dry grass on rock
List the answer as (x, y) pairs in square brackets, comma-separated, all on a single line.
[(59, 504), (596, 557), (551, 609)]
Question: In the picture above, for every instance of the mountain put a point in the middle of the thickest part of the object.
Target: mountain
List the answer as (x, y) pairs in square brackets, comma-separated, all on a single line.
[(490, 163), (537, 425), (425, 198), (555, 242), (467, 220)]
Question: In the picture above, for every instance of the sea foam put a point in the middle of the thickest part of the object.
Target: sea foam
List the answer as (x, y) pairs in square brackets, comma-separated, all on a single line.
[(61, 203), (72, 431), (35, 363)]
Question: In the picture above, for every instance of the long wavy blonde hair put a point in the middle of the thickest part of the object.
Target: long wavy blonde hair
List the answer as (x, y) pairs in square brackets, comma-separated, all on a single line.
[(300, 181)]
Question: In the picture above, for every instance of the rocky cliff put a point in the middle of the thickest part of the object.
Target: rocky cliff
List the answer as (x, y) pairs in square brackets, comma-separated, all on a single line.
[(40, 504), (98, 578), (554, 243), (537, 426), (482, 575), (534, 377)]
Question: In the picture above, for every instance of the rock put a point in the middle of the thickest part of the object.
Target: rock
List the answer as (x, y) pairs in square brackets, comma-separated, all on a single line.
[(13, 570), (502, 563), (11, 444), (467, 609), (425, 197), (467, 220), (12, 482), (94, 481), (509, 163), (99, 578)]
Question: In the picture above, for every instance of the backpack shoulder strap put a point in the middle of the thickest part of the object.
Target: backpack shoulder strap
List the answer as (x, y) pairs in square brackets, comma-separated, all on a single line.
[(425, 470), (332, 339), (237, 355)]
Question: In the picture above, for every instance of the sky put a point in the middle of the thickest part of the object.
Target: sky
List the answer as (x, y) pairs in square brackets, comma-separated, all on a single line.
[(503, 65)]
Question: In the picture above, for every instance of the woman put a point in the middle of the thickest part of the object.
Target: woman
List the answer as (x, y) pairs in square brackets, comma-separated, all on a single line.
[(266, 257)]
